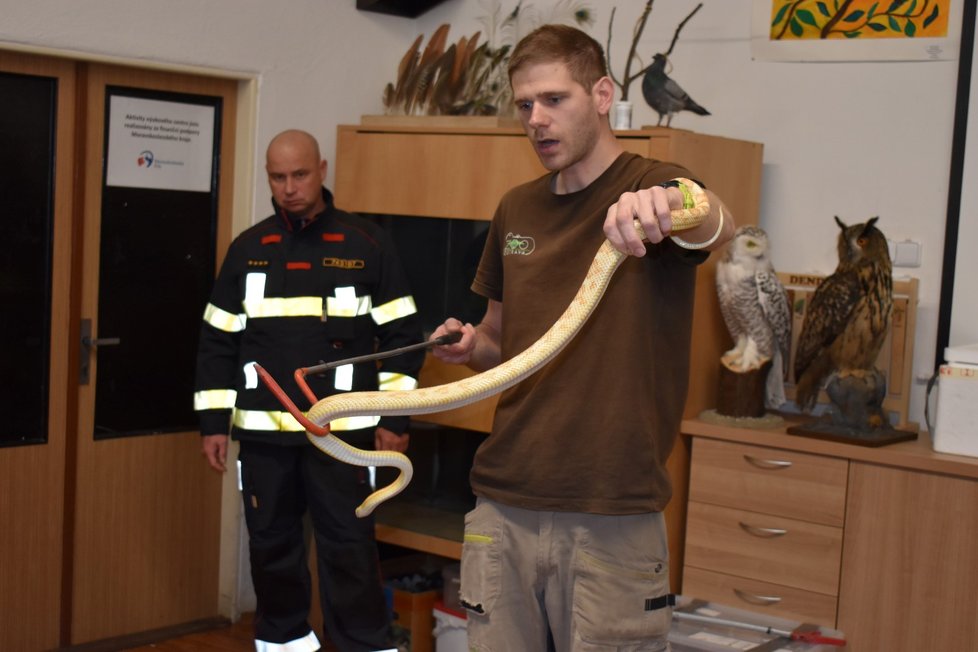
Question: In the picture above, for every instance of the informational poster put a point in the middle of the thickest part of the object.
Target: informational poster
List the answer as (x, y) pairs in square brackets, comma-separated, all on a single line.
[(159, 144), (856, 30)]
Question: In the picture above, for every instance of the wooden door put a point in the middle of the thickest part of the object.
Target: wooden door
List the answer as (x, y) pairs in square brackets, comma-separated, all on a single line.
[(36, 225), (146, 526)]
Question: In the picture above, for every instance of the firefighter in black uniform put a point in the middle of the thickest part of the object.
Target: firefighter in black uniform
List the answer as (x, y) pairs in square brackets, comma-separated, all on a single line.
[(310, 283)]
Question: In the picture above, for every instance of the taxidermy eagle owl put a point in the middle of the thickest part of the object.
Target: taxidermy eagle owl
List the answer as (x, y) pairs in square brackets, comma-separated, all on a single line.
[(848, 315), (755, 308)]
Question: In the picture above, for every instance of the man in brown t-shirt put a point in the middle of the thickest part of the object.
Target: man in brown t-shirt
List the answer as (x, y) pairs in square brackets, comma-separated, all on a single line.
[(567, 540)]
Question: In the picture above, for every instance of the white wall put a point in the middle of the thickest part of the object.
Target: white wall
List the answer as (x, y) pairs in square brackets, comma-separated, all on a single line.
[(853, 140)]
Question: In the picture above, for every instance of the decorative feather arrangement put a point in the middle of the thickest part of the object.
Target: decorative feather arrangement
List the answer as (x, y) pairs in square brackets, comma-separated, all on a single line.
[(442, 80), (469, 77)]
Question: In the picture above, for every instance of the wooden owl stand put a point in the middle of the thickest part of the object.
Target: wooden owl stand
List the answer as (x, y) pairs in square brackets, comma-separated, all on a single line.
[(740, 398), (856, 414), (741, 393)]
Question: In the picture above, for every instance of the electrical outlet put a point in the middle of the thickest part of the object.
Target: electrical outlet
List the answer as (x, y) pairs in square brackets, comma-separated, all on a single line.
[(905, 253)]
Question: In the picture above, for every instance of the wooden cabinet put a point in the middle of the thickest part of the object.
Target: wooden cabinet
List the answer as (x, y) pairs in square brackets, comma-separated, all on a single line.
[(770, 516), (910, 565), (461, 173), (877, 542)]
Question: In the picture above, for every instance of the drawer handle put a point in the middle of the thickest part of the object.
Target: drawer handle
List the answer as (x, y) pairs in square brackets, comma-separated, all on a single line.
[(764, 532), (753, 598), (767, 464)]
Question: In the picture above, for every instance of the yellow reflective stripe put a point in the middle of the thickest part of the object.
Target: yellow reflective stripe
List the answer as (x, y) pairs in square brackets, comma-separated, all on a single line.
[(394, 310), (313, 307), (348, 306), (223, 320), (271, 420), (284, 422), (285, 307), (476, 538), (256, 304), (389, 381), (215, 399)]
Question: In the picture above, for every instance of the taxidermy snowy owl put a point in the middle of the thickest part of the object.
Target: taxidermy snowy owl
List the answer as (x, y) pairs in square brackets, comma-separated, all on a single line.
[(849, 314), (755, 308)]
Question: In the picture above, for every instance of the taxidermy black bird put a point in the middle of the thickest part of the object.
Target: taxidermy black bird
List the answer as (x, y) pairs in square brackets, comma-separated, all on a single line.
[(849, 314), (665, 95)]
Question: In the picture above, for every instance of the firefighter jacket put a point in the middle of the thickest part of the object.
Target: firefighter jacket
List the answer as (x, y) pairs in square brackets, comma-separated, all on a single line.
[(289, 297)]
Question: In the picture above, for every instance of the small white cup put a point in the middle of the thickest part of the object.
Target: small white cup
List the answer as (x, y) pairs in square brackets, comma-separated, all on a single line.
[(623, 115)]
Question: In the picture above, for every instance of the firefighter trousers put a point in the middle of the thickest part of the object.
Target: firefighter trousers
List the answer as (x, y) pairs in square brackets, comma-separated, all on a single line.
[(280, 483)]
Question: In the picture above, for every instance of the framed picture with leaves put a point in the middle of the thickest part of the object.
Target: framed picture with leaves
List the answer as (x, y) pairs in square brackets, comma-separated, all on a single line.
[(856, 30)]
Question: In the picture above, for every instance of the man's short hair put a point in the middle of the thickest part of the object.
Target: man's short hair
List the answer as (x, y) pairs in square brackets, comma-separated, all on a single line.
[(583, 56)]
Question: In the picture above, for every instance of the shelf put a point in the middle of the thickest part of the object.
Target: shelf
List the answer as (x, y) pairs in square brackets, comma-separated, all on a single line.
[(421, 527)]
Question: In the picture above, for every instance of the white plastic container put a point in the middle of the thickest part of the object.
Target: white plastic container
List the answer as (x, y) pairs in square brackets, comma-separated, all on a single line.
[(451, 584), (449, 630), (754, 630), (956, 422)]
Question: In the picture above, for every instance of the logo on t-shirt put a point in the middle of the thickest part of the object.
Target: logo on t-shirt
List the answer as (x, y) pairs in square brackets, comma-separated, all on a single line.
[(520, 245)]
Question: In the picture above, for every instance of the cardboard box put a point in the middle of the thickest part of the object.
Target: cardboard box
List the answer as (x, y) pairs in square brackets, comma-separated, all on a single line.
[(413, 613)]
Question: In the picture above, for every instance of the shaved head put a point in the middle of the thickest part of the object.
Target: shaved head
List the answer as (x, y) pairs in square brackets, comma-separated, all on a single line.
[(295, 138), (296, 172)]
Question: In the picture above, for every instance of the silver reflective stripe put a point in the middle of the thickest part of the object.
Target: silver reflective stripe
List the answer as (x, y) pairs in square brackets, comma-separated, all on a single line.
[(354, 423), (275, 421), (251, 376), (394, 310), (308, 643), (346, 303), (390, 381), (254, 292), (215, 399), (223, 320), (343, 378)]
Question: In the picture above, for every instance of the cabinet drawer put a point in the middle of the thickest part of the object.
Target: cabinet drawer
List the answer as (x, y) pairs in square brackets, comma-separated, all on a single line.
[(764, 547), (760, 597), (769, 480)]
